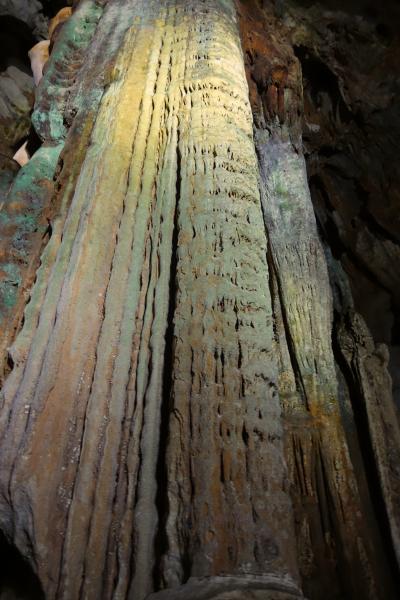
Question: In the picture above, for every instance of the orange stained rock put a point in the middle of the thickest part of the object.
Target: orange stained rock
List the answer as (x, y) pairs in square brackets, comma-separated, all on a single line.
[(60, 18), (279, 75), (22, 156), (39, 55)]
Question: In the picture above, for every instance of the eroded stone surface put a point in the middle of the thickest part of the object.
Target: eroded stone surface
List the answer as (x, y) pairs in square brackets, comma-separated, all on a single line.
[(175, 422), (367, 365), (330, 500), (165, 219), (27, 207)]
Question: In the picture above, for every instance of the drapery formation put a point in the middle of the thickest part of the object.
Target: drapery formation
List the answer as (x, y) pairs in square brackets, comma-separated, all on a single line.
[(171, 423)]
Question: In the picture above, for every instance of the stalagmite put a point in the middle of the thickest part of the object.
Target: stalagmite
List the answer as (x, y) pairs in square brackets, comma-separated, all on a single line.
[(367, 365)]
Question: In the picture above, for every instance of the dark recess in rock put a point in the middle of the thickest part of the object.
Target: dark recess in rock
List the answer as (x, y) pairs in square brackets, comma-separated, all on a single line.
[(17, 579)]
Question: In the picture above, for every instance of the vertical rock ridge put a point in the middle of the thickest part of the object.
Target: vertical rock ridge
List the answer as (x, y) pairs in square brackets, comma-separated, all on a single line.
[(169, 146), (329, 510), (367, 367), (28, 208), (318, 457), (219, 424)]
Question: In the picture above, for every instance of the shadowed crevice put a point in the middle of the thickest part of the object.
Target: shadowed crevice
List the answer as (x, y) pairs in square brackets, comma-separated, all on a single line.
[(17, 579)]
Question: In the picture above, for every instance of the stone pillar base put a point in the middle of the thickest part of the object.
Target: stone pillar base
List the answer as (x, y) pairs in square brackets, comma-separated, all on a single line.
[(266, 587)]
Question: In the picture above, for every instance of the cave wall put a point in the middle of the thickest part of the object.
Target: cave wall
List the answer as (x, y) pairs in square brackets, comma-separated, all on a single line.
[(209, 355)]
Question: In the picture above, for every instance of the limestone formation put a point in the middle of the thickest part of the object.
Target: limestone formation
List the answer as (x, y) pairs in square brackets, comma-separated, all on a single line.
[(16, 100), (57, 21), (188, 179), (39, 55), (367, 365), (22, 156), (192, 407)]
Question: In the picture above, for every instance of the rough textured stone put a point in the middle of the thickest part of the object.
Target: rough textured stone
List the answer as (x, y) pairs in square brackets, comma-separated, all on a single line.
[(172, 146), (367, 364), (193, 406), (30, 203), (16, 101), (351, 132), (324, 486)]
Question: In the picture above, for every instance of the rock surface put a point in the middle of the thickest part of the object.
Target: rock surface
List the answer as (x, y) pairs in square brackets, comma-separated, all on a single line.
[(351, 133), (194, 407), (180, 189), (327, 498)]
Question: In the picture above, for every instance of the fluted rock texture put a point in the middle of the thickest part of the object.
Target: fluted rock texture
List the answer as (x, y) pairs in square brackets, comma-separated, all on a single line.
[(180, 412)]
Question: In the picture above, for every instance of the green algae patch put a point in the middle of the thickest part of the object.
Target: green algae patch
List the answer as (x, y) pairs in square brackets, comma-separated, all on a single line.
[(30, 178), (9, 285), (26, 203), (20, 220), (48, 117)]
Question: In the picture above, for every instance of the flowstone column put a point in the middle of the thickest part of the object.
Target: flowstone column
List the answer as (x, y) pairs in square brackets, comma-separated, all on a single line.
[(141, 427), (229, 516)]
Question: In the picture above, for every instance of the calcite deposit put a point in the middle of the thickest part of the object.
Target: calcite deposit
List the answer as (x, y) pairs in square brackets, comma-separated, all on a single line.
[(193, 406), (39, 55)]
